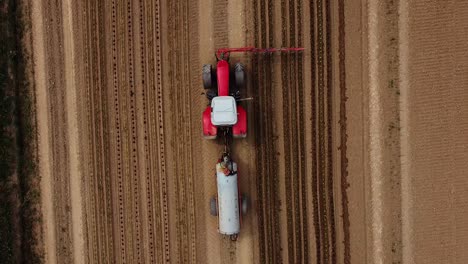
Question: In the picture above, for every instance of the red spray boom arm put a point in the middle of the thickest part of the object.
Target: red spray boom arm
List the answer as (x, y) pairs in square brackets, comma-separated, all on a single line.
[(221, 53)]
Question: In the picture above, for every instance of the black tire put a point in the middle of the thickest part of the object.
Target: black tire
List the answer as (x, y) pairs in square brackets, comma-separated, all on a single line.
[(213, 207), (207, 76), (244, 205), (239, 74), (210, 94)]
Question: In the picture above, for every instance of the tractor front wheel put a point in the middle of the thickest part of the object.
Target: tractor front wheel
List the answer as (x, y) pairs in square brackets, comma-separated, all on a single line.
[(213, 207), (207, 76)]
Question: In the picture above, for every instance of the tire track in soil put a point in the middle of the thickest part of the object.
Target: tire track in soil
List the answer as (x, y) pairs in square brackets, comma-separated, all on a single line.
[(59, 137), (180, 84), (267, 171)]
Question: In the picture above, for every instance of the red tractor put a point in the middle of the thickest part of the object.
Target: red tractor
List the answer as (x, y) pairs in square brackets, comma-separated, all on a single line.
[(224, 113), (224, 116)]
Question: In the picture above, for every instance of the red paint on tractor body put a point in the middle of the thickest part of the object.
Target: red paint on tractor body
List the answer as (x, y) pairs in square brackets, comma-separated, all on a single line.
[(239, 130), (222, 73), (209, 130)]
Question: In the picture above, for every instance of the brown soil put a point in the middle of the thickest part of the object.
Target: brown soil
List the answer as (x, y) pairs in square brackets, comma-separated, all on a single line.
[(127, 177)]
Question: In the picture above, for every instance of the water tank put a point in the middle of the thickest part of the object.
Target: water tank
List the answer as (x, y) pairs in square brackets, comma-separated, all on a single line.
[(228, 200)]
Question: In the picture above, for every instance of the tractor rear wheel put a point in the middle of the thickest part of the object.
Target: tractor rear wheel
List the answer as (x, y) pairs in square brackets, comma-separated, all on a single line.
[(213, 207), (207, 76), (239, 75), (244, 205)]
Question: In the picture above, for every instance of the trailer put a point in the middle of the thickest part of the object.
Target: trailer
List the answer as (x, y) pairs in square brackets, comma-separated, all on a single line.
[(229, 205)]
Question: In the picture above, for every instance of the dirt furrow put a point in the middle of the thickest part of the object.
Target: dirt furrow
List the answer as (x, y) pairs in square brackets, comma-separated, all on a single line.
[(322, 131), (151, 197), (263, 250), (267, 184), (265, 117), (324, 231), (285, 72), (329, 131), (190, 27), (294, 137), (293, 127), (141, 100), (119, 66), (314, 136), (130, 98), (105, 185), (96, 127), (301, 112), (171, 82), (161, 192), (259, 164), (298, 122), (132, 95), (175, 96), (147, 219), (90, 217), (273, 160), (343, 133), (192, 70), (322, 137)]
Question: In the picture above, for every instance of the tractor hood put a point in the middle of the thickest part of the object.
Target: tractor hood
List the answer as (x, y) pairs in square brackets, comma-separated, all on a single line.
[(223, 111)]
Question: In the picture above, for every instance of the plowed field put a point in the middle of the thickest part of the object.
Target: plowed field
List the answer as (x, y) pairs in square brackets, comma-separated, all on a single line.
[(131, 175), (127, 177)]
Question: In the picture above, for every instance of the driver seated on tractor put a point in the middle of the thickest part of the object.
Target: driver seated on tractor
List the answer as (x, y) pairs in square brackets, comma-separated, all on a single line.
[(226, 166)]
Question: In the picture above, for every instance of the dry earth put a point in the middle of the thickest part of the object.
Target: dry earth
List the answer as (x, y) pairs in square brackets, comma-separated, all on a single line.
[(341, 151)]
